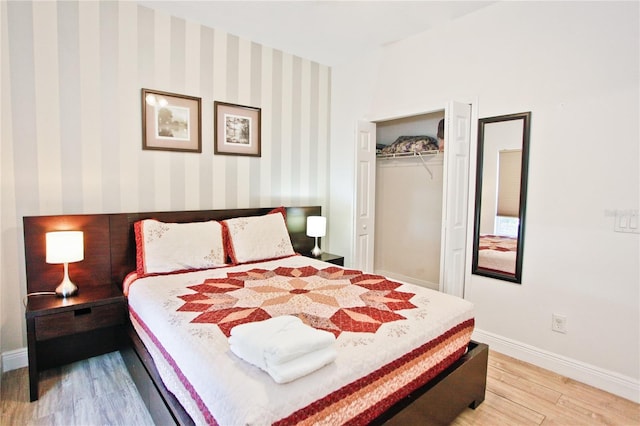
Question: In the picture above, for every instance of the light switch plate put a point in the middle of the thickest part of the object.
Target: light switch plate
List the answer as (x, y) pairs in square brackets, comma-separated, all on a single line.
[(627, 222)]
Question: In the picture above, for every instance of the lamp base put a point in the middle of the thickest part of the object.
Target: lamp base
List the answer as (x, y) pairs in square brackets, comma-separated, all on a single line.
[(66, 288), (316, 252)]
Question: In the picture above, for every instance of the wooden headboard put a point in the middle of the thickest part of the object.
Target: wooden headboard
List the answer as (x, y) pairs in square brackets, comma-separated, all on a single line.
[(109, 242)]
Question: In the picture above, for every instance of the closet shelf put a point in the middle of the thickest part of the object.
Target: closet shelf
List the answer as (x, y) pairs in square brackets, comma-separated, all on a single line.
[(410, 154), (422, 155)]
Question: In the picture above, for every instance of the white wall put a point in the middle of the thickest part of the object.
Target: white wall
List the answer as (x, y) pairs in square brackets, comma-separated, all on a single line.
[(408, 206), (352, 89), (575, 65), (71, 122), (409, 220)]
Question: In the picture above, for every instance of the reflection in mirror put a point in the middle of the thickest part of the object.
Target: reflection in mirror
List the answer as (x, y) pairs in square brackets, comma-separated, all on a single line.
[(501, 193)]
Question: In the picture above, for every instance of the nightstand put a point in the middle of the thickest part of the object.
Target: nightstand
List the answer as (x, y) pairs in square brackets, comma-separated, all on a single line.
[(328, 257), (60, 331)]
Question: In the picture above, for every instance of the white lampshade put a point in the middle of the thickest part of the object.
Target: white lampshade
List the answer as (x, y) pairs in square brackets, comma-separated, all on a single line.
[(65, 246), (316, 226)]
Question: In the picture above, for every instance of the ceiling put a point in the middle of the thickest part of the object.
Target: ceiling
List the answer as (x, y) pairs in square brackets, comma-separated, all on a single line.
[(328, 32)]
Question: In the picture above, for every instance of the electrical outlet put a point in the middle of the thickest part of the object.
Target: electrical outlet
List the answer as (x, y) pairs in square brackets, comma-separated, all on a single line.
[(559, 323)]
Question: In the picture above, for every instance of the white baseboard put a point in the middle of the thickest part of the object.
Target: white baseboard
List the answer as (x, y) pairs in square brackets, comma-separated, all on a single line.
[(12, 360), (610, 381)]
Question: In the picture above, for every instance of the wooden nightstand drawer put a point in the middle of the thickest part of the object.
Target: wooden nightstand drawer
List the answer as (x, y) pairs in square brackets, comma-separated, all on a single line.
[(79, 320), (65, 330)]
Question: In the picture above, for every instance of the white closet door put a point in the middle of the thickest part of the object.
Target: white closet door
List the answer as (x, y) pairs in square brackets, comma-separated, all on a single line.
[(455, 198), (365, 196)]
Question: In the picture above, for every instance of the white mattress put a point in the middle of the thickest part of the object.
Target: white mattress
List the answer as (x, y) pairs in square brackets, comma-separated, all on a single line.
[(216, 387), (497, 260)]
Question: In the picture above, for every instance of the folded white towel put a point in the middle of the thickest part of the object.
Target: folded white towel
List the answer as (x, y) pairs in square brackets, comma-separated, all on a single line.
[(280, 339), (294, 369), (249, 341), (283, 346), (299, 367)]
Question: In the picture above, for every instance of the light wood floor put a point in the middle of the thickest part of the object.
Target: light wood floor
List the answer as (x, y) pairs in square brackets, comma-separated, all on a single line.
[(519, 393), (99, 391)]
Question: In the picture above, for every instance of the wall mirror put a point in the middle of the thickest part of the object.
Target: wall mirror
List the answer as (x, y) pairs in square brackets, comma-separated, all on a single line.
[(501, 194)]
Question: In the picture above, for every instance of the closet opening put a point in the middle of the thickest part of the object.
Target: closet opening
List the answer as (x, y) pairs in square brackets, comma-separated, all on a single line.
[(404, 212), (409, 199)]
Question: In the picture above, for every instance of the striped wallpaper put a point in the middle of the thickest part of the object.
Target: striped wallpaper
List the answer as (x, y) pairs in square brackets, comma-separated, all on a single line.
[(71, 121)]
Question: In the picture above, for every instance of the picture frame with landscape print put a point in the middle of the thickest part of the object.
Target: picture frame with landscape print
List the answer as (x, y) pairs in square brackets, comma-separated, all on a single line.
[(237, 129), (171, 122)]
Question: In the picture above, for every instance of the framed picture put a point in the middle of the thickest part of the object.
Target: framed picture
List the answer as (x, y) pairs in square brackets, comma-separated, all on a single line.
[(237, 129), (170, 122)]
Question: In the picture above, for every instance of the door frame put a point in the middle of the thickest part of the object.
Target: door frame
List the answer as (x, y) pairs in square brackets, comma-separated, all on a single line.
[(453, 278), (473, 136), (364, 226)]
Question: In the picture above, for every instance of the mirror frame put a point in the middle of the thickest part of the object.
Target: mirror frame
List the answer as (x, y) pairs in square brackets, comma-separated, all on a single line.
[(526, 129)]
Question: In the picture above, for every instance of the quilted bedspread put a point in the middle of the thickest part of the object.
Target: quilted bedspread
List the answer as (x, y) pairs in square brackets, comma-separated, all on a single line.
[(498, 253), (391, 338)]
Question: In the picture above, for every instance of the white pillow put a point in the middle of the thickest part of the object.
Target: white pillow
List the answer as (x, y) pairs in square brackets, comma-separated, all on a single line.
[(256, 238), (167, 247)]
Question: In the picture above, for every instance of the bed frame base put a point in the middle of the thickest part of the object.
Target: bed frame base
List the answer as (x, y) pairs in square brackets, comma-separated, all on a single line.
[(441, 400), (161, 403), (438, 402)]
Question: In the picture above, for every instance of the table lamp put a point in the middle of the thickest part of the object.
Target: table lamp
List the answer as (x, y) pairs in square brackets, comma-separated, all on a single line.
[(316, 227), (65, 247)]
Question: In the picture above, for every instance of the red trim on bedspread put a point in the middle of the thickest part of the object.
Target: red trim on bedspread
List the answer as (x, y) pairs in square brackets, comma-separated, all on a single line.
[(185, 382), (137, 228), (226, 241), (383, 374)]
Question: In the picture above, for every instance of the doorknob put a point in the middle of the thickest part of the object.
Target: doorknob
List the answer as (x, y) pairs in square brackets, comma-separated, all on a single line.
[(364, 226)]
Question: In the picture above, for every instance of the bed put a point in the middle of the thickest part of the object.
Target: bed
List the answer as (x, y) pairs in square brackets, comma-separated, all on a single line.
[(497, 253), (387, 369)]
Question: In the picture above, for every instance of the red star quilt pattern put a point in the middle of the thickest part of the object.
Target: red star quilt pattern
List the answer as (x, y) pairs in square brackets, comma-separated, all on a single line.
[(332, 299)]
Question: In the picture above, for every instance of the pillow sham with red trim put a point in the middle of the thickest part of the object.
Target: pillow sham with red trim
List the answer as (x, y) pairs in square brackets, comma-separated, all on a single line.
[(258, 238), (167, 247)]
